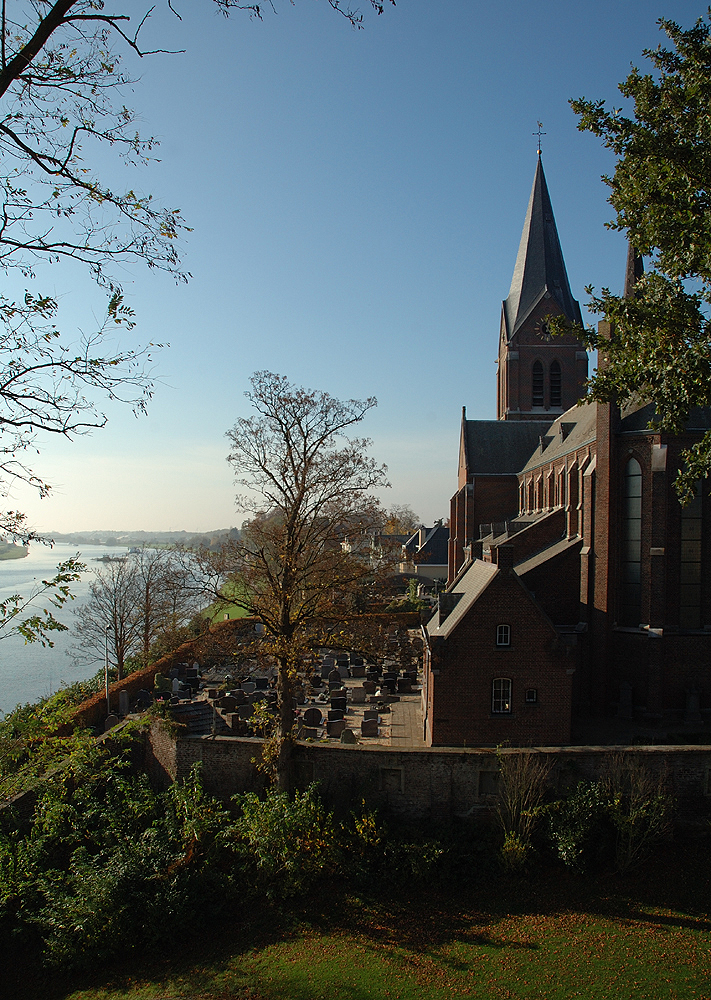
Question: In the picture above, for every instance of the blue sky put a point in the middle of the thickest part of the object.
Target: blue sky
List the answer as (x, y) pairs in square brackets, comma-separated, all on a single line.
[(356, 199)]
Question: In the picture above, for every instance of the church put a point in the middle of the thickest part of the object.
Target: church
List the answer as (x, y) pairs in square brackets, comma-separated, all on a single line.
[(578, 586)]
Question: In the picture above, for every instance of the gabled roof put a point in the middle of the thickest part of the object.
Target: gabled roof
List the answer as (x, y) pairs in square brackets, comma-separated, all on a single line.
[(540, 267), (501, 447), (434, 549), (471, 586)]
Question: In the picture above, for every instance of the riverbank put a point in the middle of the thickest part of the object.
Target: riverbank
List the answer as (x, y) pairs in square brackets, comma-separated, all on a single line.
[(8, 550)]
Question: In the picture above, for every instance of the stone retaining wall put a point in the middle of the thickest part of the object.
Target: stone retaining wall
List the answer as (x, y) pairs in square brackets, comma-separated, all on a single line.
[(440, 783)]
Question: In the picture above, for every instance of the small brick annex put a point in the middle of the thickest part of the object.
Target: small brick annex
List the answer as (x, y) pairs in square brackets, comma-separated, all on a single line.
[(497, 655)]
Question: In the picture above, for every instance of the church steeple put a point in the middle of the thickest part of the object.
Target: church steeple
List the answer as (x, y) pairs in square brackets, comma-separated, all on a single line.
[(540, 267), (539, 373)]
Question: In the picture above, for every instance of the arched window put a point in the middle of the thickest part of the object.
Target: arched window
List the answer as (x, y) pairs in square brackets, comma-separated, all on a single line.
[(632, 545), (537, 383), (501, 695), (556, 396)]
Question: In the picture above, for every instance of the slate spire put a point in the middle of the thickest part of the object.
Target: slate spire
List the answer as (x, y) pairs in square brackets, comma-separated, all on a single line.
[(540, 267), (634, 270)]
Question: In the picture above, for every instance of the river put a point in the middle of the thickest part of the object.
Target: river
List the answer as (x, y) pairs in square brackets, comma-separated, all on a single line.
[(29, 671)]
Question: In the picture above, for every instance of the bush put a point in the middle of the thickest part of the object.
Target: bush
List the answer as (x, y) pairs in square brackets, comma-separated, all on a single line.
[(291, 842), (578, 826), (523, 780), (640, 808), (109, 866)]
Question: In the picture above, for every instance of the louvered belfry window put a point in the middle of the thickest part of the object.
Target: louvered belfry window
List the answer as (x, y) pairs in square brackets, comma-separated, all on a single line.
[(555, 384), (537, 384)]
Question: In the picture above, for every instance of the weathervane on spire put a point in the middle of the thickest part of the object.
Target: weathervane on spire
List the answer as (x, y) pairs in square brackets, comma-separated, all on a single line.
[(539, 133)]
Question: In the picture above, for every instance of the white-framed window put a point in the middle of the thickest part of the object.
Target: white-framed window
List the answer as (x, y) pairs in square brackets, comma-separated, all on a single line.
[(503, 635), (501, 695)]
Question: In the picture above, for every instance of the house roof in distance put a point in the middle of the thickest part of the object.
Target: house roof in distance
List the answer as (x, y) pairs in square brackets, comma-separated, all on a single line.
[(540, 267)]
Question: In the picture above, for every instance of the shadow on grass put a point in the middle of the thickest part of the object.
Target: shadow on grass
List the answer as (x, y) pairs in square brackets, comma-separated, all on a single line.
[(398, 924)]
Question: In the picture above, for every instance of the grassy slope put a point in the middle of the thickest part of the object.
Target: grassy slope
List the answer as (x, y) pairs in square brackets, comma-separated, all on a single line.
[(553, 935)]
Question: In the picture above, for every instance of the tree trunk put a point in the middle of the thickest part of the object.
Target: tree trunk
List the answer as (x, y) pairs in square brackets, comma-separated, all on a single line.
[(286, 725)]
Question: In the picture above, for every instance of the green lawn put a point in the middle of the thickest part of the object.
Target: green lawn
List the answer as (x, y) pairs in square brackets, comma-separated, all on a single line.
[(553, 936)]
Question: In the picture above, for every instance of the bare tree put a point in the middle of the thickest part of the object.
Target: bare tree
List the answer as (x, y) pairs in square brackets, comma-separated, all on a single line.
[(309, 486), (133, 601), (109, 619), (165, 596)]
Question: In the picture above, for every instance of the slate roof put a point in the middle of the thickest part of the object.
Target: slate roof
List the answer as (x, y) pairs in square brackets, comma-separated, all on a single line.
[(637, 417), (556, 549), (573, 429), (540, 267), (471, 586), (435, 548), (501, 447)]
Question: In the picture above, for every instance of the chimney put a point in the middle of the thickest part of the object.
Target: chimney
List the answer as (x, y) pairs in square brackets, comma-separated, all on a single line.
[(505, 556)]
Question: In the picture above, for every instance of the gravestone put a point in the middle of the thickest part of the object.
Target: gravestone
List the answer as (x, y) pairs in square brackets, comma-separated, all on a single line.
[(249, 687), (369, 687), (313, 716), (369, 727), (123, 703), (357, 670), (228, 703), (111, 721), (343, 670), (348, 736), (262, 683), (336, 727), (239, 696), (371, 713), (144, 699), (334, 714), (334, 676), (404, 685), (358, 695), (308, 733), (245, 711), (340, 702)]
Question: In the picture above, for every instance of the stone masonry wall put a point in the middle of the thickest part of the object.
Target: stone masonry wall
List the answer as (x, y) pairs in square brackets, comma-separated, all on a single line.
[(439, 783)]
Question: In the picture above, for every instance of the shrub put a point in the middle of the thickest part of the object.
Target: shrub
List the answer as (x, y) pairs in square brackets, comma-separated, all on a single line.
[(578, 827), (523, 780), (291, 842), (640, 808)]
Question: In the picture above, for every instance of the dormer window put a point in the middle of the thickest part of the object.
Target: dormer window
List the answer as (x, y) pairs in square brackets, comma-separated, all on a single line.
[(503, 635)]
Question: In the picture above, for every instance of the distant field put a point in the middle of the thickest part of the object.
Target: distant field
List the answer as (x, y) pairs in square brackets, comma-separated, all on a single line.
[(217, 614)]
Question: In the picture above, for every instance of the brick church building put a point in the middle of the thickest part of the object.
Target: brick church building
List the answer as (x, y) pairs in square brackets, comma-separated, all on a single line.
[(578, 585)]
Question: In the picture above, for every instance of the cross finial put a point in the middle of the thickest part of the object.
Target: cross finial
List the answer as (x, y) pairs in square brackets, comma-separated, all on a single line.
[(539, 133)]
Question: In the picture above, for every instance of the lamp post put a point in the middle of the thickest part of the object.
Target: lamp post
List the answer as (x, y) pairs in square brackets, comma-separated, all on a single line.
[(106, 669)]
